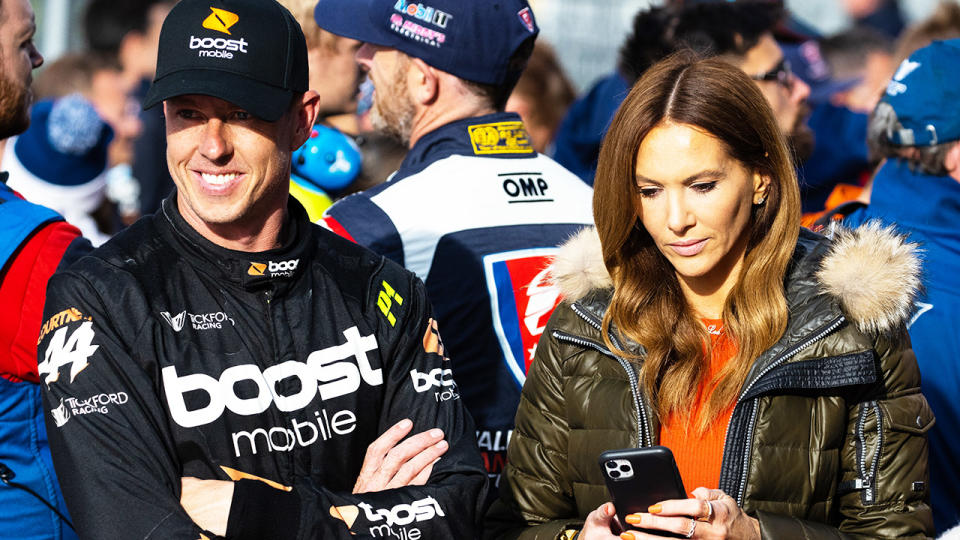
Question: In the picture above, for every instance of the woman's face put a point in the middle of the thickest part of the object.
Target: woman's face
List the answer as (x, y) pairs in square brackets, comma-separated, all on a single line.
[(695, 201)]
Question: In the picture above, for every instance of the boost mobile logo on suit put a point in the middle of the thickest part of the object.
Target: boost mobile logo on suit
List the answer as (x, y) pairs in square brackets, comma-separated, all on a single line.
[(274, 269), (328, 372), (219, 20)]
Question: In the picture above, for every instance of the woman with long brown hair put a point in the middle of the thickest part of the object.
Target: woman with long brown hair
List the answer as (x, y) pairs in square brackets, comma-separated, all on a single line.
[(773, 362)]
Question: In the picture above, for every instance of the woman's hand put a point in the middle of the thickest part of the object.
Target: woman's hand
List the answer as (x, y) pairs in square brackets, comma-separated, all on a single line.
[(598, 525), (712, 514)]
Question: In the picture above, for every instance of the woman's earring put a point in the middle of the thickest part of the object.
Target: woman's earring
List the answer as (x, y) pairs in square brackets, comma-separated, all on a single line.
[(763, 199)]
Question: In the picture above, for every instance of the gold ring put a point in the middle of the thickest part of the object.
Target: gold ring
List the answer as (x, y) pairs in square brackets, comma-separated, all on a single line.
[(709, 512)]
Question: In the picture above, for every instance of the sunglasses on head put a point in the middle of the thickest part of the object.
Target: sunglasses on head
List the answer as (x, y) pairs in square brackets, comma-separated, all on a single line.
[(780, 74)]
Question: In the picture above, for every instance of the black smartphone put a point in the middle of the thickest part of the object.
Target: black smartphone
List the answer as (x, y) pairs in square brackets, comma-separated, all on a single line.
[(638, 478)]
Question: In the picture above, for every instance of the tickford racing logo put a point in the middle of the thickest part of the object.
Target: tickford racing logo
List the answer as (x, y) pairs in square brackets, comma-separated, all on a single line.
[(198, 321), (98, 404)]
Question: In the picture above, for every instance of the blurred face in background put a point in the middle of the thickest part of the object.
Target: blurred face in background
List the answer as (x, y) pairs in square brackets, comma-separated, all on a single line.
[(110, 94), (393, 110), (18, 58), (335, 75), (785, 92)]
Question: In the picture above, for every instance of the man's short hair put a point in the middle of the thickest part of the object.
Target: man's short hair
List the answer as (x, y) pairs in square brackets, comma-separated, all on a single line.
[(497, 95), (725, 29), (106, 22), (71, 73), (846, 53), (928, 159), (648, 43), (317, 38)]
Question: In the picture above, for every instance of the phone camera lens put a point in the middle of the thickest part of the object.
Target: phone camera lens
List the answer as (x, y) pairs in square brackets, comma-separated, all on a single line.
[(614, 474)]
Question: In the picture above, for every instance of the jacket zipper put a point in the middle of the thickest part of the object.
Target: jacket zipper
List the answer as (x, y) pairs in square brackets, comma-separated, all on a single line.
[(867, 480), (789, 353), (643, 430)]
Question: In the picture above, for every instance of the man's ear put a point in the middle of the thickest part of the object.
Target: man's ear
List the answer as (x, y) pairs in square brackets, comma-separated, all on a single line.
[(305, 116), (761, 182), (423, 82), (951, 161)]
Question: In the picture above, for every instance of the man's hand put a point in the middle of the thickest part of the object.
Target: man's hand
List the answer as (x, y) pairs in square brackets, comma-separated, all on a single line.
[(207, 502), (390, 465)]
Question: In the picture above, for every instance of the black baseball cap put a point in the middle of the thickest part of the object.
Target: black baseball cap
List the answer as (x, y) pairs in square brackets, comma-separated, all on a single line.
[(472, 39), (251, 53)]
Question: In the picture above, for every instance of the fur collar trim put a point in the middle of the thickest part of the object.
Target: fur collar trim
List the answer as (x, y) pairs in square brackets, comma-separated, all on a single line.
[(872, 271)]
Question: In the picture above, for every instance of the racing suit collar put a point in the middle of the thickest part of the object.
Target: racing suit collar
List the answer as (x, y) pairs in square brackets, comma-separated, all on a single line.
[(498, 135), (273, 268)]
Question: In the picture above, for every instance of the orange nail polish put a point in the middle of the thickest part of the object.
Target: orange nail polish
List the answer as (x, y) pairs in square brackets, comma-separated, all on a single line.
[(627, 536), (655, 509), (634, 519)]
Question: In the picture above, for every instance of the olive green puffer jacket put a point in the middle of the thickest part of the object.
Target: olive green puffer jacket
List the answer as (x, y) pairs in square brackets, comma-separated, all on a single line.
[(827, 439)]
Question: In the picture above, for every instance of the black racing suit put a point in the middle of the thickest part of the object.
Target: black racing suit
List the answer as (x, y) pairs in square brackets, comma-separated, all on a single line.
[(165, 356)]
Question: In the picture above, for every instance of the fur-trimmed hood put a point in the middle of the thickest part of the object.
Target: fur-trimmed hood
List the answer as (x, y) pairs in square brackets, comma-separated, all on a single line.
[(872, 271)]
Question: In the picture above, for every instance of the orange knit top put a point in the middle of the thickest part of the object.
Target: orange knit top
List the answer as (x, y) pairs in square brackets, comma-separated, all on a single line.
[(699, 457)]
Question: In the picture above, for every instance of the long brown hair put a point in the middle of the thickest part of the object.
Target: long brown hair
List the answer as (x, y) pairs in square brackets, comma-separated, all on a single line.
[(648, 305)]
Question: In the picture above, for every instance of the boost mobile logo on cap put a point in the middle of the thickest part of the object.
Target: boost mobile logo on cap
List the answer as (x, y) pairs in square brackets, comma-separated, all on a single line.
[(220, 20)]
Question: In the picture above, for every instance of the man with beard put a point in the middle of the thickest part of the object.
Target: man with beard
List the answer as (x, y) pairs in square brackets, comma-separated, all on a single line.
[(473, 210), (742, 34), (738, 32), (34, 242)]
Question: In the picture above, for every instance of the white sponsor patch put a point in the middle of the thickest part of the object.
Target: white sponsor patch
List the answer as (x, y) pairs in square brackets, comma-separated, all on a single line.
[(328, 372), (73, 351)]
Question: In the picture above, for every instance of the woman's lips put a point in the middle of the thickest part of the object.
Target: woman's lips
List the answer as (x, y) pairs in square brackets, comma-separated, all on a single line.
[(688, 248)]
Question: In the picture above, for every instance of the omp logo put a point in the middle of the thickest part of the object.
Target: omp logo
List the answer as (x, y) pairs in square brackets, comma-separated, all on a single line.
[(257, 269), (176, 321), (62, 351), (327, 371), (404, 514), (60, 414), (220, 20), (385, 301)]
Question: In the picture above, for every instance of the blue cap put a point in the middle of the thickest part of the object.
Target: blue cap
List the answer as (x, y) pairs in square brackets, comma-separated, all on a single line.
[(471, 39), (807, 63), (924, 93)]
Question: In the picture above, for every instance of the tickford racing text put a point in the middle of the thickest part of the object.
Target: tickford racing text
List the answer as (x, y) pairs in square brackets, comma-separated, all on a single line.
[(328, 372)]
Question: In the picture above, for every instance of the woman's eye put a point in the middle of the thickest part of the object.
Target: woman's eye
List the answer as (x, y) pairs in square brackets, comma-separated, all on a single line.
[(648, 192), (704, 187)]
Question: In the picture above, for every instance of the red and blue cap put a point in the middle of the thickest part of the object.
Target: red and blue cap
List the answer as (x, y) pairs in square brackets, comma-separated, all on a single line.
[(471, 39), (924, 93)]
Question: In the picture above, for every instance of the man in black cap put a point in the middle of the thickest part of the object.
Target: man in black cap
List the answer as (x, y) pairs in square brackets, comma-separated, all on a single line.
[(474, 210), (226, 368)]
